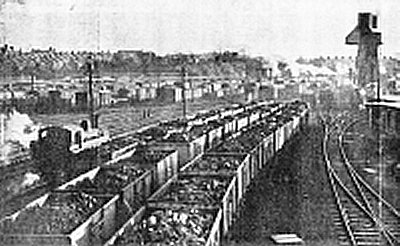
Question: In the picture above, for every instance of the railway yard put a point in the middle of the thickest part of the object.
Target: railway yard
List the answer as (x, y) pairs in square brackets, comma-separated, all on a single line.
[(234, 175), (231, 176), (199, 124)]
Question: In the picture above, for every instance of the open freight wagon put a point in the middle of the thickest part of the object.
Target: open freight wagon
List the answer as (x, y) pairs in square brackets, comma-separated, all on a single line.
[(244, 142), (137, 176), (266, 132), (228, 124), (187, 209), (228, 165), (152, 226), (188, 146), (213, 133), (133, 179), (200, 191), (192, 193), (62, 218)]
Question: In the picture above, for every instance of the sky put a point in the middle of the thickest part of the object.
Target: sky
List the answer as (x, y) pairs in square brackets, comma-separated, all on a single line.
[(288, 28)]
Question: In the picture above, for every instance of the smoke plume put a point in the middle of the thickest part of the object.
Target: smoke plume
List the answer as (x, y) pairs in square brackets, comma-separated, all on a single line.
[(20, 128)]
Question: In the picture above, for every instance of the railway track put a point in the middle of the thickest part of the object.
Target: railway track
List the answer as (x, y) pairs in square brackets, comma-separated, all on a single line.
[(363, 217)]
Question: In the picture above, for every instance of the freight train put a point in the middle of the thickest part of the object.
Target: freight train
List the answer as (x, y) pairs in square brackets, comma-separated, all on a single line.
[(201, 195), (199, 205)]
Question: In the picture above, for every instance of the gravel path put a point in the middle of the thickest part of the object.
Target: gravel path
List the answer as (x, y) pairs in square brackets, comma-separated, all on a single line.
[(291, 195)]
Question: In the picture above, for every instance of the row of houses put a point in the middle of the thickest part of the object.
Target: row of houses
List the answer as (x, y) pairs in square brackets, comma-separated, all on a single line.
[(72, 93)]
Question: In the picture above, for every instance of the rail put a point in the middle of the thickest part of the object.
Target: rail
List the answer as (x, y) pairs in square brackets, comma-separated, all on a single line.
[(357, 179), (342, 213), (329, 128), (364, 183)]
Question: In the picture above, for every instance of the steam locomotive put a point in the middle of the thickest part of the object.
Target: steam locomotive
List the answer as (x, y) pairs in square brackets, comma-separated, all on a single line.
[(63, 152)]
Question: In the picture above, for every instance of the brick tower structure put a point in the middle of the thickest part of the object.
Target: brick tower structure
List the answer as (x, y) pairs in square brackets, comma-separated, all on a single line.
[(367, 38)]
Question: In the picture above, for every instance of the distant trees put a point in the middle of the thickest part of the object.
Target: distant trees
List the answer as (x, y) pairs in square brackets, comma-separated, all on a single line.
[(50, 63)]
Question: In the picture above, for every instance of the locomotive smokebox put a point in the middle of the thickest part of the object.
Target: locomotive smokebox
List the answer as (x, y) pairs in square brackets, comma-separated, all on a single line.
[(366, 36)]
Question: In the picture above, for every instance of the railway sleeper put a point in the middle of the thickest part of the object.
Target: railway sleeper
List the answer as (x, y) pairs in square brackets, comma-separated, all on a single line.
[(369, 243), (362, 222), (375, 233), (337, 221), (356, 213), (338, 224), (365, 229), (373, 240)]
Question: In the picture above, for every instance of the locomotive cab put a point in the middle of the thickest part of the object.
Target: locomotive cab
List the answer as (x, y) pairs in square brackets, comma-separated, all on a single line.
[(51, 139), (69, 150)]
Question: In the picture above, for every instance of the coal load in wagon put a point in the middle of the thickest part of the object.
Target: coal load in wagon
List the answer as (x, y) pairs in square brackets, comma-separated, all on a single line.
[(216, 163), (169, 227), (113, 180), (60, 214), (194, 191)]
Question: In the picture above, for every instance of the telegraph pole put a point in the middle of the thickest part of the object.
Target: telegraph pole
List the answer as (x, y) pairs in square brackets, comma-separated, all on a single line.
[(378, 88), (90, 73), (380, 142), (248, 89), (183, 74), (378, 95), (260, 78)]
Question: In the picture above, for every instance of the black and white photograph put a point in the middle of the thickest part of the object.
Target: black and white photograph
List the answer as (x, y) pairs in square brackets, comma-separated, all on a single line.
[(199, 123)]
